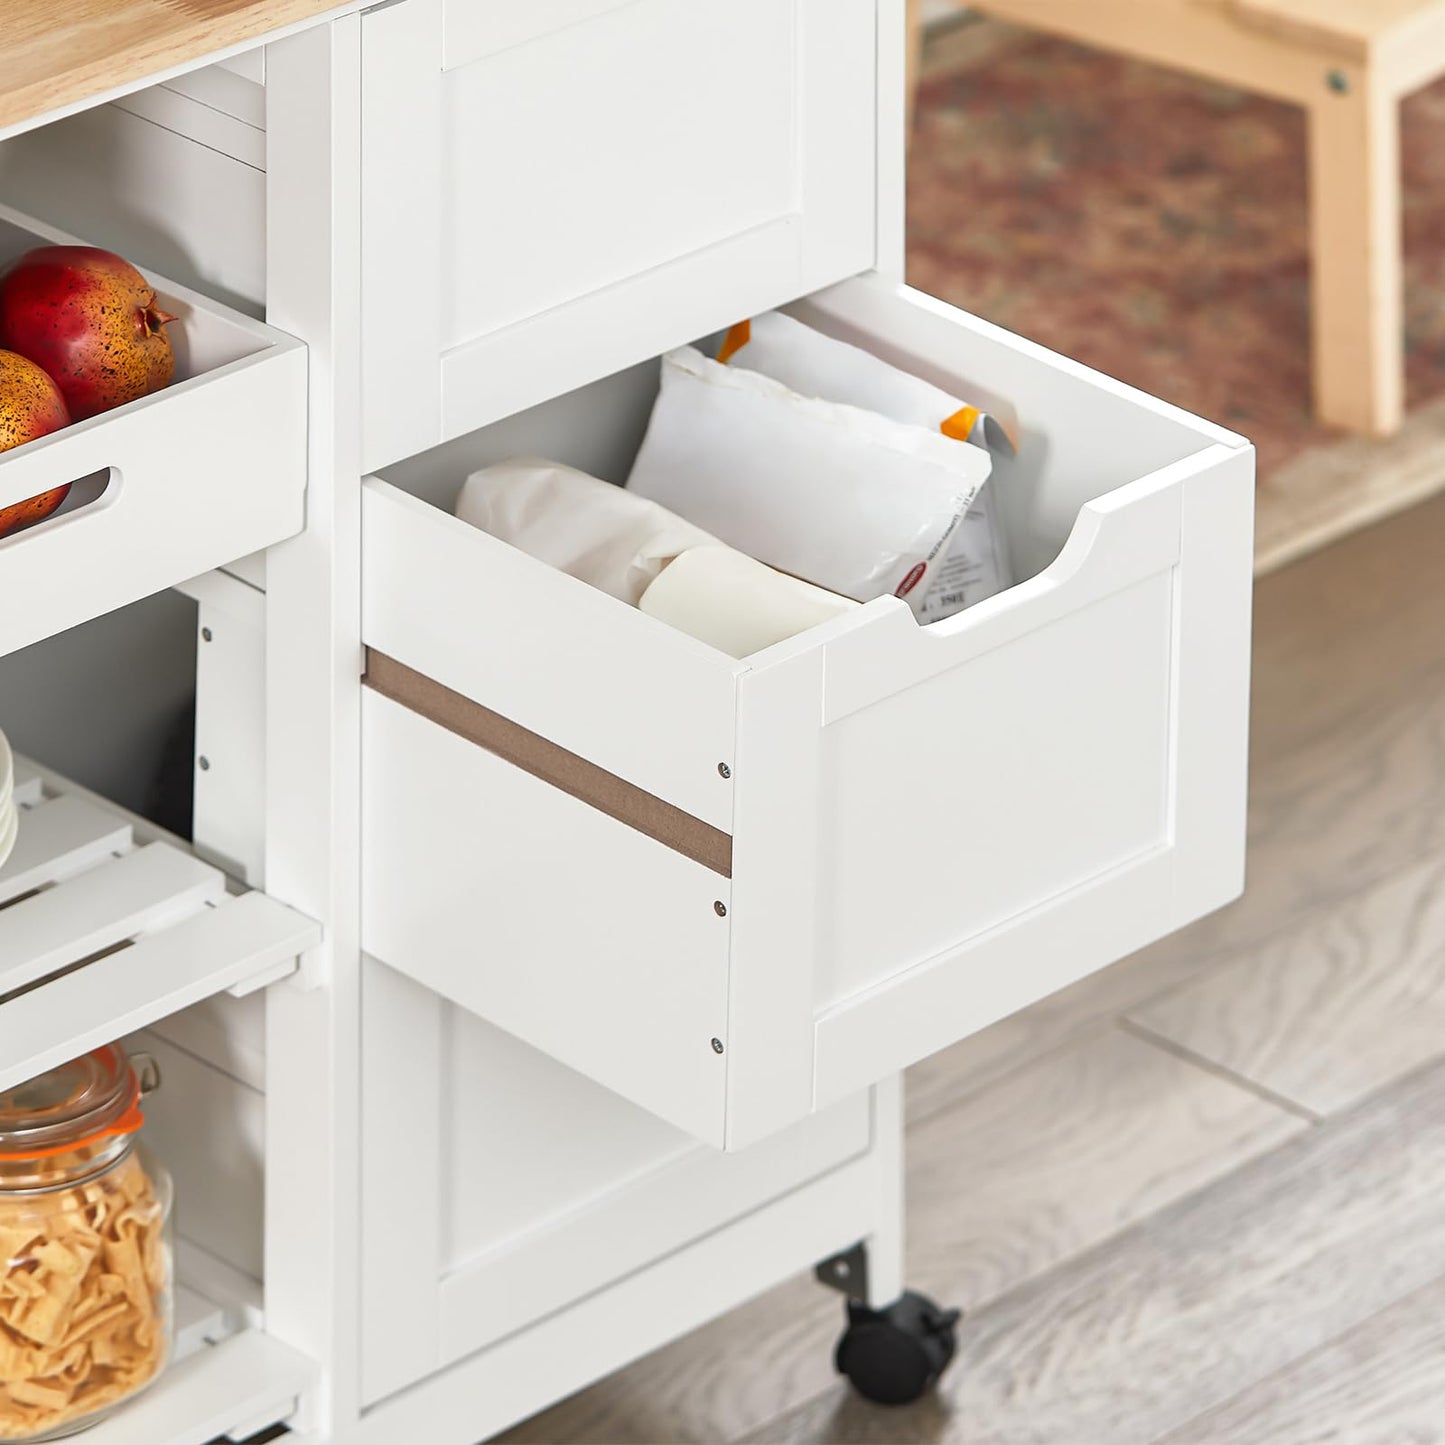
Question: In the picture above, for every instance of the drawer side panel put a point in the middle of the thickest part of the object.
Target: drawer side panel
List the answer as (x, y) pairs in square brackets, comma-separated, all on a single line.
[(581, 936), (549, 653)]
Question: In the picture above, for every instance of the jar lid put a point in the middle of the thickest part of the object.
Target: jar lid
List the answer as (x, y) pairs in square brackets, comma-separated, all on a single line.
[(94, 1097)]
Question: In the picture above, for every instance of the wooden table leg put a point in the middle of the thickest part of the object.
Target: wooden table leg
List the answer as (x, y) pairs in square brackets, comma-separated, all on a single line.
[(915, 54), (1356, 282)]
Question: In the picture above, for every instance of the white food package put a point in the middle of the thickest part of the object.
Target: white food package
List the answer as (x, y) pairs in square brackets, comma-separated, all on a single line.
[(734, 603), (976, 566), (813, 364), (838, 496), (615, 540)]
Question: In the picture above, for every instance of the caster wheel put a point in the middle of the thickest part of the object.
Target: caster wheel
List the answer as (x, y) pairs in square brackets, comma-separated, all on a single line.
[(895, 1356)]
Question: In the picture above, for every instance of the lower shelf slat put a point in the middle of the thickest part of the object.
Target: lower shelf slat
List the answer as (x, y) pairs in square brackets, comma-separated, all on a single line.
[(156, 976), (60, 837), (107, 926), (99, 909)]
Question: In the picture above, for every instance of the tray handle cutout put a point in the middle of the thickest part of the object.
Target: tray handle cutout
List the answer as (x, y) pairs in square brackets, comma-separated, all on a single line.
[(90, 493)]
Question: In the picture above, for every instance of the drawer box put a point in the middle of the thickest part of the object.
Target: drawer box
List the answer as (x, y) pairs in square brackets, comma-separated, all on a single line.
[(204, 472), (723, 162), (736, 891)]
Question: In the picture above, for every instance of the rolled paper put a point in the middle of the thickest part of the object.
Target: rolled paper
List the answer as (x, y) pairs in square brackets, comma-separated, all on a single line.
[(734, 603)]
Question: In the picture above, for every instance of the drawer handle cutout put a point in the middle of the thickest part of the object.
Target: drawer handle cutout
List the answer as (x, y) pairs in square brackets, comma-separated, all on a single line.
[(544, 759)]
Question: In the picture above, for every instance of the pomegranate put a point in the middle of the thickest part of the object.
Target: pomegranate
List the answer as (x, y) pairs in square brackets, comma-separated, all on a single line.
[(90, 319), (31, 406)]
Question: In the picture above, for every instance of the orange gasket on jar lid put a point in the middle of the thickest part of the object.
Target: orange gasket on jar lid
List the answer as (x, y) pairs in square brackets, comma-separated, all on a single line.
[(130, 1122)]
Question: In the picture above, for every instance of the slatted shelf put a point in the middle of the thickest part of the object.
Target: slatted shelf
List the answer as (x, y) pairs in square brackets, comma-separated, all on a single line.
[(104, 929), (61, 834)]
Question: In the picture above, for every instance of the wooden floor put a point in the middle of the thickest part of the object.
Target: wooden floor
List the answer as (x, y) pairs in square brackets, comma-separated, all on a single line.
[(1200, 1197)]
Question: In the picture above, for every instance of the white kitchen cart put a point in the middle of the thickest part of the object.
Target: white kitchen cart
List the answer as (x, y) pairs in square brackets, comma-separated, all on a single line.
[(539, 982)]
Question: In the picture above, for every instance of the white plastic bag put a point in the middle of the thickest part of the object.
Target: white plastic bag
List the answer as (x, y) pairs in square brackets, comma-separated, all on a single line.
[(614, 539), (817, 365), (841, 497)]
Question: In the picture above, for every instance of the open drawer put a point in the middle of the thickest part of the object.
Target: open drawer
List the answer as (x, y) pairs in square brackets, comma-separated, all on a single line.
[(735, 891), (206, 471)]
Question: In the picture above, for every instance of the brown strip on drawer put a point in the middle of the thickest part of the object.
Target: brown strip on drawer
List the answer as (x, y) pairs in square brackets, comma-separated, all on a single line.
[(543, 759)]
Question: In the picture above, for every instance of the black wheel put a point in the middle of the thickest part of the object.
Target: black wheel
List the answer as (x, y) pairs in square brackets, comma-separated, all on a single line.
[(894, 1356)]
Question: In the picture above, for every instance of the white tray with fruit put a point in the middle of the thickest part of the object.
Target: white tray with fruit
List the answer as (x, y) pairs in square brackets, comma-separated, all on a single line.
[(147, 433)]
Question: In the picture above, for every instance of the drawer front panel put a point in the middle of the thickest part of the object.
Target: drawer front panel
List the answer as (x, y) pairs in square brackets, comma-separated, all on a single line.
[(638, 1205), (592, 1188), (585, 182), (1028, 771), (622, 165)]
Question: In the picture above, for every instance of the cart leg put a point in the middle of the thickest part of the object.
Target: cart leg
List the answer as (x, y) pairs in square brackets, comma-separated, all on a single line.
[(885, 1244), (1355, 282), (915, 55), (871, 1272), (897, 1342)]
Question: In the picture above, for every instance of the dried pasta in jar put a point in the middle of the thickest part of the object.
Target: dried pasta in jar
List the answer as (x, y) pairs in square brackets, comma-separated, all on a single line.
[(85, 1259)]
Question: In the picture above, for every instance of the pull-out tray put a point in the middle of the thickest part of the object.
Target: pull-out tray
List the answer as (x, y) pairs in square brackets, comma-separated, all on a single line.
[(206, 471)]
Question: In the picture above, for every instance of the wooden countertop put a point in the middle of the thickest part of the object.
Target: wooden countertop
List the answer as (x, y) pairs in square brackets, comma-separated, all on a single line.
[(56, 55), (1350, 27)]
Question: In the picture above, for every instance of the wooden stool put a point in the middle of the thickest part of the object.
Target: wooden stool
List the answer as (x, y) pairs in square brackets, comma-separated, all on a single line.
[(1348, 62)]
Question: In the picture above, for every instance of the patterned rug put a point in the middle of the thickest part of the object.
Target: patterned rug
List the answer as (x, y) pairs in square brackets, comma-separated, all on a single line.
[(1149, 224)]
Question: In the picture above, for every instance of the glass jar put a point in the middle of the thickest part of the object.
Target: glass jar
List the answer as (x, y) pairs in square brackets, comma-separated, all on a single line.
[(85, 1249)]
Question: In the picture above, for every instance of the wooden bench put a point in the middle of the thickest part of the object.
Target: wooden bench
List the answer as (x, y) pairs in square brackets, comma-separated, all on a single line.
[(1348, 62)]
